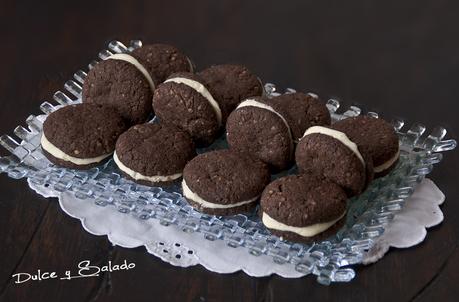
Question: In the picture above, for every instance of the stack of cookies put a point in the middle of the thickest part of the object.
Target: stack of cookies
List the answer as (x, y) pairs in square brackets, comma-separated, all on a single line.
[(265, 136)]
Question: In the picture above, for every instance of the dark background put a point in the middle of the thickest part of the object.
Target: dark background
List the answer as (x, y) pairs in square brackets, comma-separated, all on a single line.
[(396, 57)]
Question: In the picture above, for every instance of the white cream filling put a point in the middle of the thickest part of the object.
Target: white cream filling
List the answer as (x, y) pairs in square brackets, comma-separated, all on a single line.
[(137, 176), (130, 59), (253, 103), (307, 231), (198, 199), (58, 153), (388, 163), (202, 90), (338, 135)]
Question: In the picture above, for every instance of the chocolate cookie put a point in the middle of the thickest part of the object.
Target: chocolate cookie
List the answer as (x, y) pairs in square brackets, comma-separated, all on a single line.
[(153, 153), (303, 207), (268, 127), (230, 84), (331, 154), (120, 84), (185, 102), (258, 129), (301, 111), (162, 60), (224, 182), (81, 136), (377, 137)]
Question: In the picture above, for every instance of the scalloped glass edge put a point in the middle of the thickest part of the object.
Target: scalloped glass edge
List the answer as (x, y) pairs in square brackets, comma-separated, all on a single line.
[(330, 260)]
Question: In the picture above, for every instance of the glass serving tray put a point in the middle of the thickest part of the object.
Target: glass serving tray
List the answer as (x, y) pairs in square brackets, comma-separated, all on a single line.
[(330, 260)]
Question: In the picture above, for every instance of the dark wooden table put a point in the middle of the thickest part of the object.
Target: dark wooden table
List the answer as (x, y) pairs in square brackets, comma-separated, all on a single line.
[(396, 57)]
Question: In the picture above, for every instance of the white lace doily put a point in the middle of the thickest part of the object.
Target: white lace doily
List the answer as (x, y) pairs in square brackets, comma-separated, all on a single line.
[(182, 249)]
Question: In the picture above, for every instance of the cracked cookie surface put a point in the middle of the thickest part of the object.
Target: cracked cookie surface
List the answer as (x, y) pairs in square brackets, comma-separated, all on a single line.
[(226, 177), (161, 60), (83, 131), (122, 86), (186, 108), (155, 149)]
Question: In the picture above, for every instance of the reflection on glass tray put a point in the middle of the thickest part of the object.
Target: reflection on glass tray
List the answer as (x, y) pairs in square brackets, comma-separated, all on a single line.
[(330, 260)]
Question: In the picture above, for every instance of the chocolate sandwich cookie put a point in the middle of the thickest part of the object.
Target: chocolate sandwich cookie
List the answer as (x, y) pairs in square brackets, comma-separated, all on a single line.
[(330, 153), (303, 208), (81, 136), (301, 111), (377, 137), (153, 153), (224, 182), (185, 102), (162, 60), (231, 84), (268, 127), (258, 129), (122, 83)]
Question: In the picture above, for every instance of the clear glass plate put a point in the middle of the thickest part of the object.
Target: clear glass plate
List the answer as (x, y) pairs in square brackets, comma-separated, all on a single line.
[(330, 260)]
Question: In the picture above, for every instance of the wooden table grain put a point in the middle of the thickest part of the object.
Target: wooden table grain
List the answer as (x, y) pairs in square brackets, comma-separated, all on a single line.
[(396, 57)]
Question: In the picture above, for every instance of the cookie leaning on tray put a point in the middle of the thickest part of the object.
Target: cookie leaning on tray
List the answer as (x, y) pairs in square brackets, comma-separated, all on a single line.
[(153, 154), (377, 137), (81, 136), (303, 207), (201, 103), (331, 154), (120, 82), (184, 101), (269, 128), (224, 182), (265, 135)]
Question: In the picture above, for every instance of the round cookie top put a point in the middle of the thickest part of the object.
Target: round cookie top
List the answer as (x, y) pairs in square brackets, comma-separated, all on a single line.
[(162, 60), (301, 111), (329, 157), (262, 133), (121, 85), (231, 84), (155, 149), (226, 177), (375, 135), (84, 130), (303, 200), (187, 108)]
